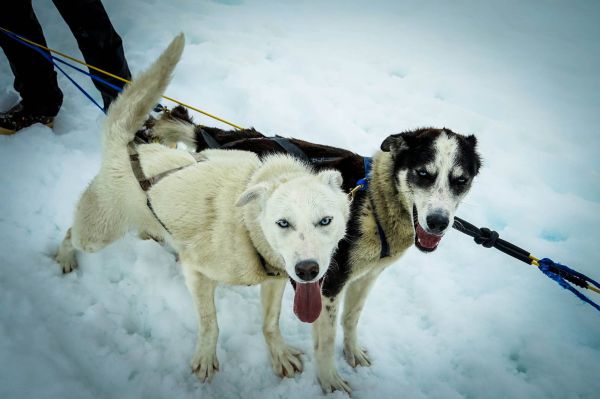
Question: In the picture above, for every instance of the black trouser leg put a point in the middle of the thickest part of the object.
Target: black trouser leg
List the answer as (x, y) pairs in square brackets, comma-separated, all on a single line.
[(98, 41), (35, 78)]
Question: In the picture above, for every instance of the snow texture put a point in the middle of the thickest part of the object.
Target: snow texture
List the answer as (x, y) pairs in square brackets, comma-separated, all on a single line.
[(463, 322)]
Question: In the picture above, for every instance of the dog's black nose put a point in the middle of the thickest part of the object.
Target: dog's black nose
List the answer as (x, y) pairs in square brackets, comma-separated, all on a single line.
[(307, 270), (437, 222)]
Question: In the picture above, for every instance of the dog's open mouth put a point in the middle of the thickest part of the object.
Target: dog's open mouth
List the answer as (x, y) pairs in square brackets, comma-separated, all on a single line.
[(307, 300), (426, 242)]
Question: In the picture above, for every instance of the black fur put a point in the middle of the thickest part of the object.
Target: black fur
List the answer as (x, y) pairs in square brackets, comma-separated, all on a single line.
[(469, 160), (338, 273)]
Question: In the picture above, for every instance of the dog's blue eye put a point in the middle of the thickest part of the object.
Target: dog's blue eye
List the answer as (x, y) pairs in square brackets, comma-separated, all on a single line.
[(422, 173), (284, 224), (461, 180), (325, 221)]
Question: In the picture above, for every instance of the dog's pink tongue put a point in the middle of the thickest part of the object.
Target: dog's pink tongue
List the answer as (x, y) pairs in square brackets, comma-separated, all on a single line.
[(427, 240), (307, 301)]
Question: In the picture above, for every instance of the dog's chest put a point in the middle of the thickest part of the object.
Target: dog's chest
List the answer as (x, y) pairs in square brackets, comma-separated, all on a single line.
[(367, 249)]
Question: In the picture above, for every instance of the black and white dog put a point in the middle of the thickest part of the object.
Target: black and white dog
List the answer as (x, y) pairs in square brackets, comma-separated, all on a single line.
[(411, 191)]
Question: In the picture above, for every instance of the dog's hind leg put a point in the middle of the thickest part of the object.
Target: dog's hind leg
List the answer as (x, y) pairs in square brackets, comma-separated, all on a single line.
[(324, 330), (204, 363), (354, 301), (96, 225), (285, 360)]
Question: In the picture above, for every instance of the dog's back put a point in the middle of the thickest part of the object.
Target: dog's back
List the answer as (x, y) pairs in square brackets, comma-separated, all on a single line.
[(198, 206)]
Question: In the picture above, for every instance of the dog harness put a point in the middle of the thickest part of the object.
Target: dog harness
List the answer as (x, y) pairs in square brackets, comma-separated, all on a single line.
[(292, 149), (283, 142), (147, 182)]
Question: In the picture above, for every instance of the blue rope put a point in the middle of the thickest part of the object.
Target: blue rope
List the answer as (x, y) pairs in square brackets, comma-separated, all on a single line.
[(98, 78), (88, 95), (52, 59), (548, 265)]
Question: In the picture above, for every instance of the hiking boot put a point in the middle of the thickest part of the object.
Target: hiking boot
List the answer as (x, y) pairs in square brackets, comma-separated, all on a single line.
[(18, 118)]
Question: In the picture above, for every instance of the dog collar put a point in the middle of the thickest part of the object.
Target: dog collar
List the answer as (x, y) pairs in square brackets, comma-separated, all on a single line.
[(268, 269)]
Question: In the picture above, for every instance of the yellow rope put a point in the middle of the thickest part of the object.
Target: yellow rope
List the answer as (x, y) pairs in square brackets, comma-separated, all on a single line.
[(119, 78), (353, 192), (534, 261), (590, 287)]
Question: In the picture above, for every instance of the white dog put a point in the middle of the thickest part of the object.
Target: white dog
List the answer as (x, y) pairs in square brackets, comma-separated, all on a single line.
[(232, 217)]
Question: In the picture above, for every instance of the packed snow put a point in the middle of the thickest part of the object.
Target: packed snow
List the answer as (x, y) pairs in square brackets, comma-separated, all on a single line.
[(463, 322)]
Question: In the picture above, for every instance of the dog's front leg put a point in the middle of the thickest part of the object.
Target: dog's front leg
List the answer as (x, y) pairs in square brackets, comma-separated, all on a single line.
[(285, 360), (324, 330), (354, 301), (66, 254), (204, 363)]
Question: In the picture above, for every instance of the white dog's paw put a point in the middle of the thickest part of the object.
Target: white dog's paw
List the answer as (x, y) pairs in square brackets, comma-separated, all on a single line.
[(205, 365), (331, 381), (356, 356), (286, 360), (67, 261)]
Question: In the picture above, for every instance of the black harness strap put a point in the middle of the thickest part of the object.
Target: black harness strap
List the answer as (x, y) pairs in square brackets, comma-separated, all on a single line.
[(385, 246), (364, 185), (290, 147), (155, 215), (269, 270), (208, 139)]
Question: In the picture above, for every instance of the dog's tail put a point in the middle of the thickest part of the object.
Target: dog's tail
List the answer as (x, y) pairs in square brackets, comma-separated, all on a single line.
[(129, 111), (171, 131)]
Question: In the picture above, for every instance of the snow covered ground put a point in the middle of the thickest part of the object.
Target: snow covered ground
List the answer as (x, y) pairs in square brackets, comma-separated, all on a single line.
[(463, 322)]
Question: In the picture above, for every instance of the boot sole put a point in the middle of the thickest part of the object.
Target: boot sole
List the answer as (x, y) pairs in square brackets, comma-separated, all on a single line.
[(9, 132)]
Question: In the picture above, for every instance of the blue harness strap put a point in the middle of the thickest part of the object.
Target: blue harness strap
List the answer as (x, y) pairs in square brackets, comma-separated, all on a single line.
[(364, 182), (558, 272)]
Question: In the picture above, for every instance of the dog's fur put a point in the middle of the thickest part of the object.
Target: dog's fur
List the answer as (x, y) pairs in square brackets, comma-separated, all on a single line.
[(417, 181), (224, 215)]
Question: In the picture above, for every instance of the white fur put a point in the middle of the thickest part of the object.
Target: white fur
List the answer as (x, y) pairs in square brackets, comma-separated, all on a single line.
[(173, 130), (220, 213)]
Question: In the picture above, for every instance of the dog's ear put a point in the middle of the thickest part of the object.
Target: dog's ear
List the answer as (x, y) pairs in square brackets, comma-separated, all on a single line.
[(332, 178), (394, 144), (251, 194), (471, 141)]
